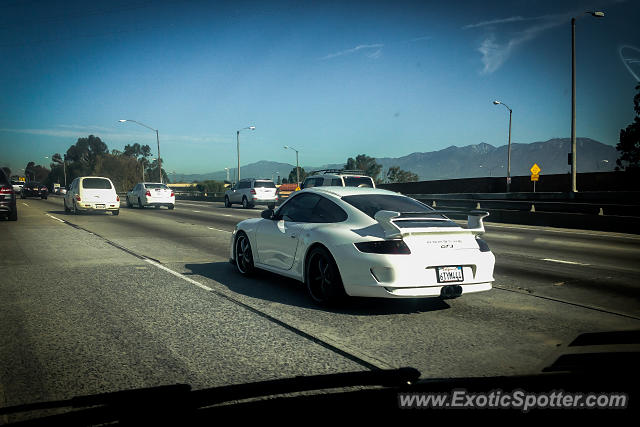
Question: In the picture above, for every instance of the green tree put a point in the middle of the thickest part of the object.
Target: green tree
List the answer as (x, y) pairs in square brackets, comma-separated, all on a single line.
[(293, 176), (84, 154), (629, 145), (364, 163), (395, 174), (151, 172)]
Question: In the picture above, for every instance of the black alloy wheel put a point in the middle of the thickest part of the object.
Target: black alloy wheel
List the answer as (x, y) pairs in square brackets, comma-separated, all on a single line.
[(244, 256), (323, 278)]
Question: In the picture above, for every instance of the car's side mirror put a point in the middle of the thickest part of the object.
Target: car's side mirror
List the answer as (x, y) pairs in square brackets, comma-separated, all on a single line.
[(267, 214)]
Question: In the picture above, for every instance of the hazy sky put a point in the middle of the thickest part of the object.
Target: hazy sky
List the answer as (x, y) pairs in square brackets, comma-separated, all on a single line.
[(332, 79)]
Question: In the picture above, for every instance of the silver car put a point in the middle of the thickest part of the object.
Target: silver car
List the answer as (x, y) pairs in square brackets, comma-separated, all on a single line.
[(250, 192)]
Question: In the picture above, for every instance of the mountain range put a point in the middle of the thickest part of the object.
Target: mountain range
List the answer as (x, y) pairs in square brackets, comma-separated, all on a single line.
[(470, 161)]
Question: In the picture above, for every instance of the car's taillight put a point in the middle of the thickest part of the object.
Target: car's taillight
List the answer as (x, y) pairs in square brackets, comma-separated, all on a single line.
[(43, 189), (117, 198), (77, 197), (390, 247), (6, 190), (148, 193), (253, 191), (172, 195)]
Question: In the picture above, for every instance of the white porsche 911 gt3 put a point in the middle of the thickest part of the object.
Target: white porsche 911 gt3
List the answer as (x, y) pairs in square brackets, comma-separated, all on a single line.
[(365, 242)]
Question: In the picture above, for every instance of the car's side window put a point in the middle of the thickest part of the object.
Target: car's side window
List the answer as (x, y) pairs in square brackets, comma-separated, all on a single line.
[(299, 209), (327, 211), (336, 182)]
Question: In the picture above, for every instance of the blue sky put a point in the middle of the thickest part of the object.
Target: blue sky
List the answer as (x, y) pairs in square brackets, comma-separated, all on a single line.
[(332, 79)]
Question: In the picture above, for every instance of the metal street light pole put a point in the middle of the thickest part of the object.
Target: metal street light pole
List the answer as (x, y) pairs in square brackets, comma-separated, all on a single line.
[(574, 167), (157, 140), (297, 167), (508, 147), (238, 142), (227, 169)]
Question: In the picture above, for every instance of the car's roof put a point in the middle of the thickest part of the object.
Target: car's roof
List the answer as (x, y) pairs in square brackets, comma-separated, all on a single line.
[(350, 191), (83, 177)]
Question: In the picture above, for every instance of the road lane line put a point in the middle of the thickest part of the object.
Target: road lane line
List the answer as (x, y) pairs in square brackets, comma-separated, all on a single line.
[(563, 262), (195, 211), (217, 229), (175, 273), (25, 204), (57, 219)]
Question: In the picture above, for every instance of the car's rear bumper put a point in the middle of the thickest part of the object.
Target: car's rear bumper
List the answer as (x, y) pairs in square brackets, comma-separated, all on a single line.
[(258, 201), (111, 206), (411, 276)]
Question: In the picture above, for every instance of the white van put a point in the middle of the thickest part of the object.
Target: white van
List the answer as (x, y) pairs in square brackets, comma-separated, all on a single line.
[(92, 193)]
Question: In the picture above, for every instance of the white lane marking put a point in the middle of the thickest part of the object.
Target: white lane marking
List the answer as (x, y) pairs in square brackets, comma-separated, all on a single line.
[(57, 219), (175, 273), (25, 204), (563, 262), (566, 231), (217, 229), (195, 211)]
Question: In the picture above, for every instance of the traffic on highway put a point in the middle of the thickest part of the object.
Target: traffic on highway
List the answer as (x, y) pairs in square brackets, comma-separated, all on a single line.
[(415, 211), (156, 288)]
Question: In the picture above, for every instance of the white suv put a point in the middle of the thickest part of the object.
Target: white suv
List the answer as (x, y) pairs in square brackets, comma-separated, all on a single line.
[(92, 193), (338, 178), (251, 192)]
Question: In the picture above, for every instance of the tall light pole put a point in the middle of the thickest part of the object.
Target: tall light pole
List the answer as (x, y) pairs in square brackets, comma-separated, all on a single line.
[(238, 141), (508, 147), (574, 168), (297, 167), (157, 139)]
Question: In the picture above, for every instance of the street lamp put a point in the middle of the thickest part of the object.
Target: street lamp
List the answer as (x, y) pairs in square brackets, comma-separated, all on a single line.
[(297, 167), (157, 139), (574, 168), (238, 141), (508, 147)]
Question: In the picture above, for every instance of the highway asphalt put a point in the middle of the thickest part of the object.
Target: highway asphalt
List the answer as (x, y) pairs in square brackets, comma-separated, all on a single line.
[(95, 302)]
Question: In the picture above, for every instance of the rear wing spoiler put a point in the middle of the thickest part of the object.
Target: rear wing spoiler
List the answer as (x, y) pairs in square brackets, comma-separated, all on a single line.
[(386, 220)]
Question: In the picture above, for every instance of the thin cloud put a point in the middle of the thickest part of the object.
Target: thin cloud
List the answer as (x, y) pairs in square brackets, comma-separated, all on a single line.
[(495, 22), (495, 53), (377, 46), (73, 132)]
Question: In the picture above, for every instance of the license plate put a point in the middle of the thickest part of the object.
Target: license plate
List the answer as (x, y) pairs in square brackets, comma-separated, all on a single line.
[(450, 274), (99, 206)]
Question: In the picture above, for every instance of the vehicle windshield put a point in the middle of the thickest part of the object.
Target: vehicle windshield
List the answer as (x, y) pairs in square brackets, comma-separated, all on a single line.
[(506, 134), (372, 203), (357, 181), (96, 183), (264, 184)]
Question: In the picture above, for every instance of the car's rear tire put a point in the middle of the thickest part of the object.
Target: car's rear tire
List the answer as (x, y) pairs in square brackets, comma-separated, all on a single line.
[(116, 213), (75, 208), (171, 207), (227, 203), (245, 203), (13, 216), (271, 206), (64, 202), (140, 203), (322, 278), (22, 196), (129, 205), (244, 255)]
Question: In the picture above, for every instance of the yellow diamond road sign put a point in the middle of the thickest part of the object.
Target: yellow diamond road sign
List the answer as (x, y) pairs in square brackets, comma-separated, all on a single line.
[(535, 169)]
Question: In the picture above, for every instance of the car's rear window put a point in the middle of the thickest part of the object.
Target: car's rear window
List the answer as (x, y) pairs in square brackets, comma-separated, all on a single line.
[(372, 203), (264, 184), (155, 186), (96, 183), (358, 181)]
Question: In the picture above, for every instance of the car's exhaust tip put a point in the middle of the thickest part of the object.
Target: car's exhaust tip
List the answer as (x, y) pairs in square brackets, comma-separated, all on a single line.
[(450, 291)]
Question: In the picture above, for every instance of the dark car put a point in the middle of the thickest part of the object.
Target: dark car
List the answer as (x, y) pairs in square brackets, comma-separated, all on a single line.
[(8, 208), (34, 189)]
